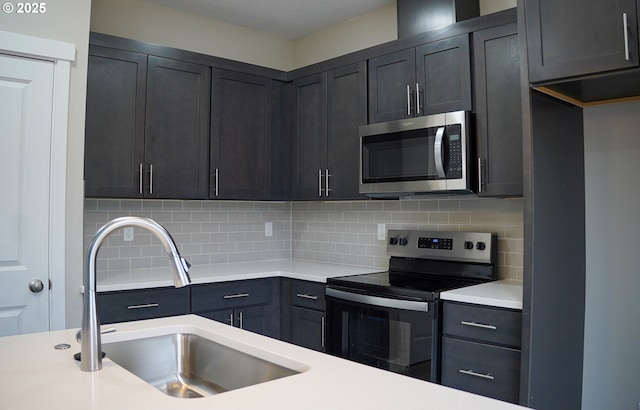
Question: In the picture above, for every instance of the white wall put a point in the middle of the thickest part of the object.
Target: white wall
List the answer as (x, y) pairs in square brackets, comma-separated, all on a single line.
[(67, 21), (612, 325), (377, 27), (153, 23)]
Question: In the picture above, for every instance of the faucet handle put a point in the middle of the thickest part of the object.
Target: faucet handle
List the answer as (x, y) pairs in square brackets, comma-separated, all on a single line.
[(185, 264)]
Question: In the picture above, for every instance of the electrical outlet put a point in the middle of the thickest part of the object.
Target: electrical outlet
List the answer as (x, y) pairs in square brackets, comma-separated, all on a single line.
[(268, 229), (128, 233), (382, 232)]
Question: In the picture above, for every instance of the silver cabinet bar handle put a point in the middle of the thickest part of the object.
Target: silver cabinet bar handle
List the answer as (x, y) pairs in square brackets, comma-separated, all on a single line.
[(231, 319), (326, 183), (472, 373), (216, 182), (324, 325), (474, 324), (240, 320), (320, 182), (417, 98), (237, 295), (479, 175), (305, 296), (151, 179), (625, 27), (141, 171), (408, 100), (147, 305)]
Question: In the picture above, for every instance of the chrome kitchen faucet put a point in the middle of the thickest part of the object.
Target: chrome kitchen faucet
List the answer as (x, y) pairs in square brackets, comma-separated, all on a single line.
[(90, 344)]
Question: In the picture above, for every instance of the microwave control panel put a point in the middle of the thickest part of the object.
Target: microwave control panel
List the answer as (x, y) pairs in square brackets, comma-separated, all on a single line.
[(454, 142)]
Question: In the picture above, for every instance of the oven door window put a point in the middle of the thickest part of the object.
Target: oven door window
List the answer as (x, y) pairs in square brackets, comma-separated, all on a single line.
[(387, 338), (415, 155)]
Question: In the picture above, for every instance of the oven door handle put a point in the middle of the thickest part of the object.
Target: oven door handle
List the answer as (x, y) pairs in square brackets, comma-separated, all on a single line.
[(378, 301)]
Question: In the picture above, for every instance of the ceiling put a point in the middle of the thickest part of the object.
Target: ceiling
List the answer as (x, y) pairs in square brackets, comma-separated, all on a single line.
[(287, 18)]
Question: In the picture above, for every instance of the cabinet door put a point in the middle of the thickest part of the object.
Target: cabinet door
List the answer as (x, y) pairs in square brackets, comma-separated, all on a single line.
[(571, 38), (262, 319), (392, 80), (308, 328), (443, 74), (240, 136), (225, 316), (114, 129), (498, 111), (346, 111), (310, 134), (177, 129)]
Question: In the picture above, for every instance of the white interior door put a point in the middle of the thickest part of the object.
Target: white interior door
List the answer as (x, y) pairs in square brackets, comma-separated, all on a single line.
[(26, 98)]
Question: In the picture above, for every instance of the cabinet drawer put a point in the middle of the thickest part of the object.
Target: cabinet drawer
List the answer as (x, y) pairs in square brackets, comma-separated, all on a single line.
[(124, 306), (487, 370), (308, 294), (493, 325), (224, 295)]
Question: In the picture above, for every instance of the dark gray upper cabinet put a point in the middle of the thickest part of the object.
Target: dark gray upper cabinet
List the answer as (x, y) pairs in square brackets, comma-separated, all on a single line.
[(498, 109), (309, 104), (392, 78), (177, 129), (429, 79), (147, 129), (327, 110), (443, 74), (240, 136), (573, 38), (346, 111), (115, 119)]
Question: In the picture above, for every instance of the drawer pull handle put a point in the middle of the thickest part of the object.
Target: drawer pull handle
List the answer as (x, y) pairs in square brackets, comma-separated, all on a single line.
[(481, 375), (305, 296), (236, 296), (148, 305), (474, 324)]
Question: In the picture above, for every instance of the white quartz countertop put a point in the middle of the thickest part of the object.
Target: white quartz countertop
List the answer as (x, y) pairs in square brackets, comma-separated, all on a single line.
[(502, 293), (34, 375), (221, 272)]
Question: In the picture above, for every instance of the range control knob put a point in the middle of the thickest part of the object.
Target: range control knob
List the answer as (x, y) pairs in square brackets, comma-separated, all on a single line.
[(403, 241), (481, 246), (468, 245), (393, 240)]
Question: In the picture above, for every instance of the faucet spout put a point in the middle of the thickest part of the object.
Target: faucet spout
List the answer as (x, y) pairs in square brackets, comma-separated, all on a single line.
[(91, 346)]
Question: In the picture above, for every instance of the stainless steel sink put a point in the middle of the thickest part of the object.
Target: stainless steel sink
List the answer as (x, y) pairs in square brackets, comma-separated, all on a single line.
[(188, 366)]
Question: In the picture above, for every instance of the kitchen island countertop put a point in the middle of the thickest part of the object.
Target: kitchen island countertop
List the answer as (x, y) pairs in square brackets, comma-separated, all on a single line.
[(36, 376)]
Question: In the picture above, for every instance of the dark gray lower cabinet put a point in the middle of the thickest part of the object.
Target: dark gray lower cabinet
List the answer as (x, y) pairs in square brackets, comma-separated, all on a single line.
[(308, 328), (303, 319), (248, 304), (481, 350), (128, 305)]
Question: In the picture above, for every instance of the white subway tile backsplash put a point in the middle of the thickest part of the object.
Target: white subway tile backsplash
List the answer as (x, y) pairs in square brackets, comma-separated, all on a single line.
[(335, 232)]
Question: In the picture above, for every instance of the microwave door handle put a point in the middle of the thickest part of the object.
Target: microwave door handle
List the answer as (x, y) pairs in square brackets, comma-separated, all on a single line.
[(437, 152)]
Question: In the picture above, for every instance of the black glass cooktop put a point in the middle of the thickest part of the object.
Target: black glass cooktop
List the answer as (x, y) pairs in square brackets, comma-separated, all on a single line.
[(398, 285), (413, 279)]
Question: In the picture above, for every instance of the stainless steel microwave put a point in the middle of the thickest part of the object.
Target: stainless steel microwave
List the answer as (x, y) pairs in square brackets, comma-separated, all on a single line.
[(422, 155)]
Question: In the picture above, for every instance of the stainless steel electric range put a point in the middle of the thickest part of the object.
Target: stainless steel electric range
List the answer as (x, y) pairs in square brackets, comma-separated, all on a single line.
[(391, 320)]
